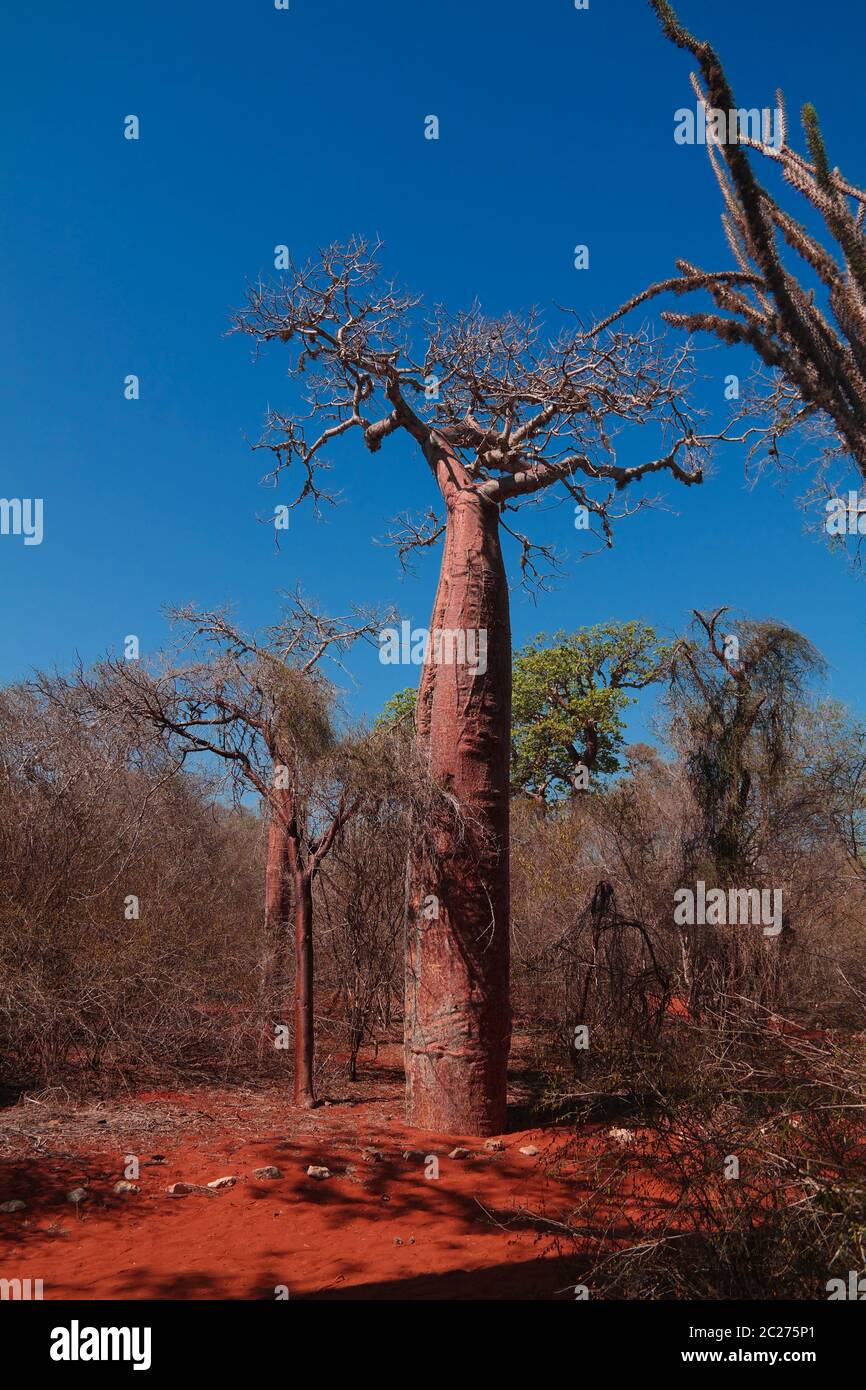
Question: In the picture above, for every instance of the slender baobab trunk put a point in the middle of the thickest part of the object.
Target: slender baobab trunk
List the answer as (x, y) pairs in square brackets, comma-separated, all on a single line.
[(303, 893), (458, 1020), (288, 879), (277, 897)]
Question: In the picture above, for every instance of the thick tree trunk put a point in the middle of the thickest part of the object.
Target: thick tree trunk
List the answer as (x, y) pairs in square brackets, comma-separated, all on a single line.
[(458, 1020), (303, 893)]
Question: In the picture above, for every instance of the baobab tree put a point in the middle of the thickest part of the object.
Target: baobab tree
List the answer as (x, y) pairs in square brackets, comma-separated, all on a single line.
[(499, 411), (263, 708), (797, 296)]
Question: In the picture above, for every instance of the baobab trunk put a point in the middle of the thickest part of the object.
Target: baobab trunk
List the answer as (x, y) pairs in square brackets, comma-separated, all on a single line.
[(303, 894), (458, 1020), (277, 897)]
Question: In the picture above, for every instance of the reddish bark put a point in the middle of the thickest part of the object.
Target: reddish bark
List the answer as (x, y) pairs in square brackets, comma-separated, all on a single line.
[(277, 875), (273, 977), (289, 880), (458, 1020), (304, 1093)]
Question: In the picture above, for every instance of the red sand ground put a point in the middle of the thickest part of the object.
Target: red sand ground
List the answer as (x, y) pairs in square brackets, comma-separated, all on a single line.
[(375, 1229)]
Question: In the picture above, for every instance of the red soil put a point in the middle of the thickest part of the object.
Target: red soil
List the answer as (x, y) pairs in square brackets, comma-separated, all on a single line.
[(374, 1229)]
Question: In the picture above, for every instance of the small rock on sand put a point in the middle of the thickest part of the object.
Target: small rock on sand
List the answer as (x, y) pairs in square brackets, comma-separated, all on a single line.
[(622, 1136), (317, 1170), (494, 1145), (15, 1205), (124, 1186), (221, 1182), (529, 1150), (77, 1196), (269, 1171)]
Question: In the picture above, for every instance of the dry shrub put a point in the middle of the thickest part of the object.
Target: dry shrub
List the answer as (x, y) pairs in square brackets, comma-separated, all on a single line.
[(90, 993), (665, 1215)]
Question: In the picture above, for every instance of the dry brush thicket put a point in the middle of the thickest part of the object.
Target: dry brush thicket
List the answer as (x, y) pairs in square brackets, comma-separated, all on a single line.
[(137, 932), (705, 1041), (704, 1045)]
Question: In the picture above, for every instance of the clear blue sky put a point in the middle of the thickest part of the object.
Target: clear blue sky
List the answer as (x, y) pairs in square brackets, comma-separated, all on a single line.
[(260, 127)]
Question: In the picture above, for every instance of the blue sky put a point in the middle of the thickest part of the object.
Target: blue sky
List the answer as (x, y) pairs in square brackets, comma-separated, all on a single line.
[(261, 127)]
